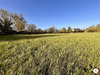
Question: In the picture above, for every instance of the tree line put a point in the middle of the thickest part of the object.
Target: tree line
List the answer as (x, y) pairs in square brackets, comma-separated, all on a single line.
[(13, 23), (94, 28)]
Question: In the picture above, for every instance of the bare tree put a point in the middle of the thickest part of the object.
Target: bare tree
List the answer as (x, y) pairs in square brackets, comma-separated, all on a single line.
[(31, 27), (51, 29)]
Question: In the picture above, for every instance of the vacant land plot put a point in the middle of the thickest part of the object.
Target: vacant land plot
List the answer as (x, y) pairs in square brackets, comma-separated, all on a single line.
[(50, 54)]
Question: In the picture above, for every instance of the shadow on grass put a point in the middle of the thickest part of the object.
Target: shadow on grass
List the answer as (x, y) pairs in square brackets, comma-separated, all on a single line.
[(20, 37)]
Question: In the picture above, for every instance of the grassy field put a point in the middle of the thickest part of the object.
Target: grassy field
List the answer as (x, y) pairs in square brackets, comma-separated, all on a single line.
[(50, 54)]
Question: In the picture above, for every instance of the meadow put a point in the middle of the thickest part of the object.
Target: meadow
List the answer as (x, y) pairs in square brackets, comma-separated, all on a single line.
[(50, 54)]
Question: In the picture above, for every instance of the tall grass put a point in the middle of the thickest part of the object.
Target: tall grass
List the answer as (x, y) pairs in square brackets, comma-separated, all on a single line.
[(50, 54)]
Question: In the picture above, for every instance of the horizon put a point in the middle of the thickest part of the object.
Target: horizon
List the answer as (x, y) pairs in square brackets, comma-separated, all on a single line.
[(76, 14)]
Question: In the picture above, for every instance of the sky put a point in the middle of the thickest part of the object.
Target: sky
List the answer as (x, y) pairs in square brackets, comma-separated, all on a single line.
[(58, 13)]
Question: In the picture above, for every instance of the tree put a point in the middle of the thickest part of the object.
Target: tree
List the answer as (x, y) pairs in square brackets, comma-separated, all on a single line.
[(31, 27), (39, 30), (19, 22), (98, 27), (69, 29), (51, 29), (5, 21), (56, 30), (82, 30), (63, 30), (92, 29)]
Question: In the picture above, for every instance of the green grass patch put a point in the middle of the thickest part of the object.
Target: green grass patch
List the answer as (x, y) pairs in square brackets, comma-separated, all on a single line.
[(50, 54)]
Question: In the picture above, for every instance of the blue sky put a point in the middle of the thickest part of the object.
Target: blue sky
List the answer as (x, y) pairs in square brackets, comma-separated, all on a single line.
[(58, 13)]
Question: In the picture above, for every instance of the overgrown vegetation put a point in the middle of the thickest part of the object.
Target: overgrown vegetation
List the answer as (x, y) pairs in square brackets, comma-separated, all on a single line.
[(50, 54)]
